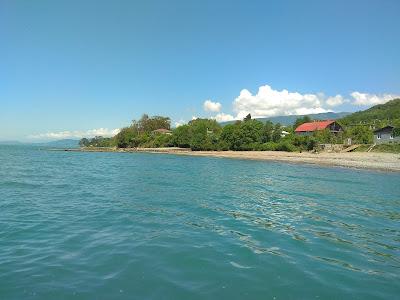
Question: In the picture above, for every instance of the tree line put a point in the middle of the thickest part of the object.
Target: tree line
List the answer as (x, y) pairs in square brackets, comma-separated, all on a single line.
[(207, 134)]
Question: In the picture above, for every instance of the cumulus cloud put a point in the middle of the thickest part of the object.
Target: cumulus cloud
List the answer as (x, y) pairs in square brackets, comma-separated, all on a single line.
[(105, 132), (335, 101), (371, 99), (209, 105), (179, 123), (310, 110), (221, 117), (269, 102)]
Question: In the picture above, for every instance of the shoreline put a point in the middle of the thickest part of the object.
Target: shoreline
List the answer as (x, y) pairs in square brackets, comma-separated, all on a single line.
[(388, 162), (366, 161)]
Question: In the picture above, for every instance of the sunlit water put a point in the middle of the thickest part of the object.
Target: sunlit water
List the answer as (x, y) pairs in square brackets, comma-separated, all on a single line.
[(153, 226)]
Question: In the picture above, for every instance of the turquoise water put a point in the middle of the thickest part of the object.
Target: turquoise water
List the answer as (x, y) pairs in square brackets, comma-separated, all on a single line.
[(153, 226)]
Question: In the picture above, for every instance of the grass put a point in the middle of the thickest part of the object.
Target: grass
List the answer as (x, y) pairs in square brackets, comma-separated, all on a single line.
[(388, 148), (385, 148), (362, 148)]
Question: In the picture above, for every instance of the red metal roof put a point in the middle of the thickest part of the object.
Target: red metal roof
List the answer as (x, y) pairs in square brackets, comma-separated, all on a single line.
[(313, 126)]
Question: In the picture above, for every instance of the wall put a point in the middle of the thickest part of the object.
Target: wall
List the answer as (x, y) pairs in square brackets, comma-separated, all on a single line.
[(385, 138)]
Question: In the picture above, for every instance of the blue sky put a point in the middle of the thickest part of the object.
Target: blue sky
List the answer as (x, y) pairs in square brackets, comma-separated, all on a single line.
[(74, 67)]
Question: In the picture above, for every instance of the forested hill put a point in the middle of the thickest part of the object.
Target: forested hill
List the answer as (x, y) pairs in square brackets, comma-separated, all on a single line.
[(381, 114), (289, 120)]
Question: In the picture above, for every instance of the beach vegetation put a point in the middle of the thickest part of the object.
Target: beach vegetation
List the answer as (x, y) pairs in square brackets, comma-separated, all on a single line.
[(248, 134)]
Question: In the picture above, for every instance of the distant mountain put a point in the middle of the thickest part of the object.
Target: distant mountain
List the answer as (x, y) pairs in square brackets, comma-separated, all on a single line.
[(10, 143), (289, 120), (389, 112), (66, 143)]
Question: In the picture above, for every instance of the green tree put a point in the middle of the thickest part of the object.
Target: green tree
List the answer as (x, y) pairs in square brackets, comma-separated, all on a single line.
[(127, 137), (360, 134), (228, 135), (247, 135), (181, 136), (285, 146), (84, 142), (247, 118), (204, 134), (147, 124), (267, 132), (276, 134), (323, 136), (99, 141), (301, 120)]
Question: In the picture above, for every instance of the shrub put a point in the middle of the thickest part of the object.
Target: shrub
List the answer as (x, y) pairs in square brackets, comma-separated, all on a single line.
[(222, 146), (270, 146), (285, 146)]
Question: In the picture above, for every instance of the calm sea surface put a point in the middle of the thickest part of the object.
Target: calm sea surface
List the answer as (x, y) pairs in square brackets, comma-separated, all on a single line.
[(153, 226)]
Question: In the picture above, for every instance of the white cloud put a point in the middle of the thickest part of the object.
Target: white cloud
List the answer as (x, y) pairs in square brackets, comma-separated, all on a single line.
[(221, 117), (335, 101), (269, 102), (209, 105), (307, 111), (105, 132), (371, 99), (179, 123)]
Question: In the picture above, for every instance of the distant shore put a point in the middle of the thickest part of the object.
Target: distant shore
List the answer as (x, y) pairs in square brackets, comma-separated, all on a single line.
[(360, 160)]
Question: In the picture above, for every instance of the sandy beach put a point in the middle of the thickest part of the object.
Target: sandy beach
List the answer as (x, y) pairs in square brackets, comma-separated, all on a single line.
[(360, 160), (373, 161)]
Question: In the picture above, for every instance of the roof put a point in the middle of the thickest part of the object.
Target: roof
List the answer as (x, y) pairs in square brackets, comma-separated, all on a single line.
[(384, 128), (162, 130), (313, 126)]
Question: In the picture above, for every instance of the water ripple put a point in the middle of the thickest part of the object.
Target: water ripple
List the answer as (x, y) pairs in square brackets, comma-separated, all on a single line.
[(109, 225)]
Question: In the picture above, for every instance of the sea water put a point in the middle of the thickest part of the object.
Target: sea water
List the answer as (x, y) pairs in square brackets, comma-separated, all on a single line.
[(154, 226)]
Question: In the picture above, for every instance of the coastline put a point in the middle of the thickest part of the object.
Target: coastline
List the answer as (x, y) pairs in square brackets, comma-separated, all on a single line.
[(388, 162), (371, 161)]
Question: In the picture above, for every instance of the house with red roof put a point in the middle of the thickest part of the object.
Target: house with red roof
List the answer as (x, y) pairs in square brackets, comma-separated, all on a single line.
[(311, 127), (162, 131)]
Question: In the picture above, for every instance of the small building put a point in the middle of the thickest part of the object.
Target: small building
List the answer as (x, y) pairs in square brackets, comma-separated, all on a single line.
[(385, 135), (284, 133), (162, 131), (311, 127)]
